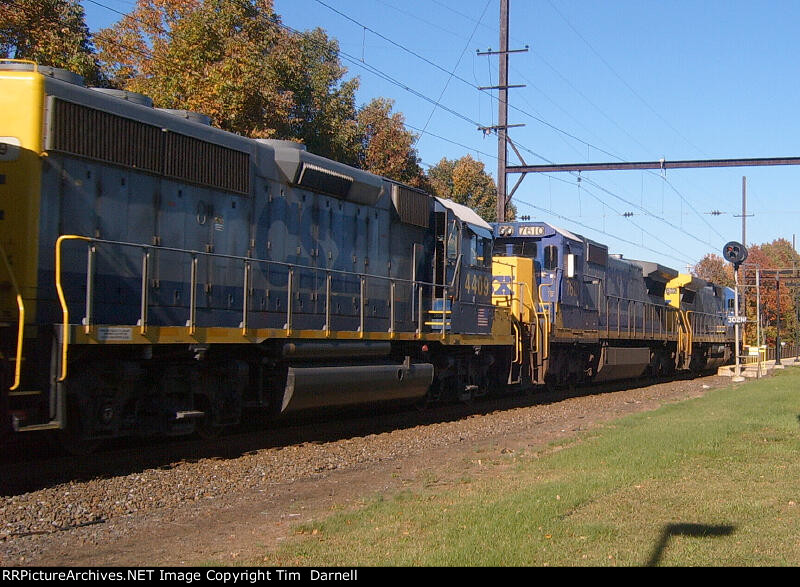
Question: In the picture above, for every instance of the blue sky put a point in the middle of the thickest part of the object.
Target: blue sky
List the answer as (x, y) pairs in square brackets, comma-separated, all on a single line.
[(605, 81)]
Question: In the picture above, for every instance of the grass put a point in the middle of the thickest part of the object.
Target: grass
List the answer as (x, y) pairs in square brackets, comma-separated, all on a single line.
[(705, 482)]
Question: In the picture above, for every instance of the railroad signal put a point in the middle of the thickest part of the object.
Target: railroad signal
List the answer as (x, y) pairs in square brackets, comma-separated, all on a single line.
[(734, 252)]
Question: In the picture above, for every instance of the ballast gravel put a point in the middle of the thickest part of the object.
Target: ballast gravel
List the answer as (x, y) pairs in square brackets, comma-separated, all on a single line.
[(68, 511)]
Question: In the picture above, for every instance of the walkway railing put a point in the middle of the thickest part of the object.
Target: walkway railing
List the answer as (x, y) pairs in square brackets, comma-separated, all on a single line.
[(420, 303)]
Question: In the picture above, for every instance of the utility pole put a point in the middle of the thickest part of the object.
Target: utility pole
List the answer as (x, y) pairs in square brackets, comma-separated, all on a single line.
[(502, 112), (744, 237), (744, 211)]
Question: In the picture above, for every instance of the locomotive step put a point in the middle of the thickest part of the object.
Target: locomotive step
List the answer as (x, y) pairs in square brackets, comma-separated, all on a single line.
[(23, 393), (189, 414)]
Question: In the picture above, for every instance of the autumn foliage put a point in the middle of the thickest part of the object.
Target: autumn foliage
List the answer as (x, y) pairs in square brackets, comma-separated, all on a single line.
[(761, 294), (50, 32)]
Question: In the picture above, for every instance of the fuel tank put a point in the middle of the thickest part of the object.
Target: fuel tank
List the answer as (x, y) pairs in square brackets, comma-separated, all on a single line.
[(343, 385)]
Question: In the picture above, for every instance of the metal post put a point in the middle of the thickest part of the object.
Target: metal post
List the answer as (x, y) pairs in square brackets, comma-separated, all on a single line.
[(758, 311), (245, 297), (778, 321), (738, 369), (744, 211), (145, 283), (502, 121), (87, 321)]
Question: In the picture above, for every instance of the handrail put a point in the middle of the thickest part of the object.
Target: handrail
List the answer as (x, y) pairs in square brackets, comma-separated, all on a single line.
[(63, 301), (416, 285), (545, 342), (655, 310), (709, 323), (21, 327)]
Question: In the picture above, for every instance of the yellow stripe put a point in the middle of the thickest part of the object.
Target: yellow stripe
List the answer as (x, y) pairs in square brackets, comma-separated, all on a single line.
[(131, 334)]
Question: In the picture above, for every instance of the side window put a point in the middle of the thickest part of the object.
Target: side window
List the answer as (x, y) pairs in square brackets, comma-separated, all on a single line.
[(452, 239), (484, 252), (473, 250), (550, 257)]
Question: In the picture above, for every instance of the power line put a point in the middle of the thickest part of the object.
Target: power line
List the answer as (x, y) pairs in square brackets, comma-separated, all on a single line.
[(620, 78), (437, 103)]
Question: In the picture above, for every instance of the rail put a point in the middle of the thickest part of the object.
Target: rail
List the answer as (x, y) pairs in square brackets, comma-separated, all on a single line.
[(705, 324), (63, 301), (416, 289), (21, 325), (636, 317)]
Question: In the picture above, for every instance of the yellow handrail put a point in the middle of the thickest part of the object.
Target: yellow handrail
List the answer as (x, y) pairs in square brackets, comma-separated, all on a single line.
[(21, 327), (63, 301)]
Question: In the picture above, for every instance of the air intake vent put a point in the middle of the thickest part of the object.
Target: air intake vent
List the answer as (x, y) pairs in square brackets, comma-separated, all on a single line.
[(597, 255), (323, 180), (95, 134), (412, 206)]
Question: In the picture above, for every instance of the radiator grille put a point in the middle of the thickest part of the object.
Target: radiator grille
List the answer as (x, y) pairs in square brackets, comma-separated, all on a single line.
[(88, 132), (412, 206), (318, 179)]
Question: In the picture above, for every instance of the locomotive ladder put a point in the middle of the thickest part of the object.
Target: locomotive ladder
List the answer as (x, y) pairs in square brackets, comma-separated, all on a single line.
[(21, 327), (56, 416)]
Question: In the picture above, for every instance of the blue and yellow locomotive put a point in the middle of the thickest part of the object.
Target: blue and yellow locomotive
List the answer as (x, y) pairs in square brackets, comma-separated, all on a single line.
[(595, 317), (161, 276)]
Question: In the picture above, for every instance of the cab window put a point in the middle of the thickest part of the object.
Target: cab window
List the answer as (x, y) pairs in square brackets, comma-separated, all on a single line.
[(480, 251), (550, 257), (452, 239), (515, 248)]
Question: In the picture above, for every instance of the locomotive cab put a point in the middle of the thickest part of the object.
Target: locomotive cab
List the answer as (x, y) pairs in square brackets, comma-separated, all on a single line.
[(567, 282), (462, 270)]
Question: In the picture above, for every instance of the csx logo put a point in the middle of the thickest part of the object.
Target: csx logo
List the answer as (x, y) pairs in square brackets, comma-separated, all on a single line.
[(503, 285)]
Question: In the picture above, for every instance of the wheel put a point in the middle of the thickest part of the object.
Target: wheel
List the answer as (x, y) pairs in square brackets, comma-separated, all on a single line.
[(72, 439)]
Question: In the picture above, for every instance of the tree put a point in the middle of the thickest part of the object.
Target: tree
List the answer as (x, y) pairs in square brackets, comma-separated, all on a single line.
[(387, 147), (233, 61), (465, 181), (776, 255), (715, 269), (49, 32), (323, 112)]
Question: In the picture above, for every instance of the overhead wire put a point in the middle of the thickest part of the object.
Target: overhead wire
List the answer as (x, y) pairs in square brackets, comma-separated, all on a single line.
[(375, 71), (620, 78)]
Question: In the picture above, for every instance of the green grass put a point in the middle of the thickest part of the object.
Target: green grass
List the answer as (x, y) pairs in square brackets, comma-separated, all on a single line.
[(709, 481)]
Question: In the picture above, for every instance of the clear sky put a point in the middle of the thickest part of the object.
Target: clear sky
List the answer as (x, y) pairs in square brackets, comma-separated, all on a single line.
[(614, 80)]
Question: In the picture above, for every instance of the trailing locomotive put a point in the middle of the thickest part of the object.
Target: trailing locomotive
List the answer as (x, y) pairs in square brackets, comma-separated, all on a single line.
[(161, 276), (590, 316)]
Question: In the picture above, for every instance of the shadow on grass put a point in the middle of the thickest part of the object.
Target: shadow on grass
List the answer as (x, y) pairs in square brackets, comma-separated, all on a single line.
[(691, 530)]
